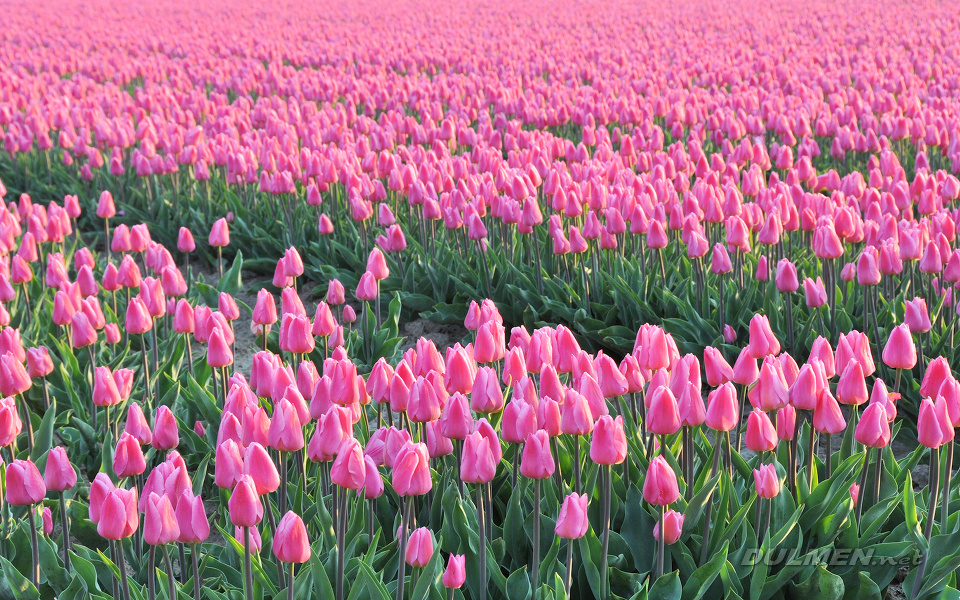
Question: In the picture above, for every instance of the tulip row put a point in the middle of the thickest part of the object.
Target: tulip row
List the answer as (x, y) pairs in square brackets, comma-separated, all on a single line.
[(609, 453)]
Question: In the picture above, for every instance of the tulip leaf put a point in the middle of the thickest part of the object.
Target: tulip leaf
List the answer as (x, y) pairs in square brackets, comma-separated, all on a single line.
[(866, 588), (698, 583), (697, 505), (518, 585), (667, 587), (232, 281), (43, 437), (17, 585)]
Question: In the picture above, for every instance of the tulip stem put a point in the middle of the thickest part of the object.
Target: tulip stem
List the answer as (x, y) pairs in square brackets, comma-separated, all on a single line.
[(148, 389), (568, 578), (152, 573), (65, 530), (35, 546), (945, 503), (371, 519), (197, 584), (863, 483), (29, 422), (811, 456), (290, 585), (828, 459), (660, 544), (707, 517), (247, 567), (171, 581), (576, 463), (607, 477), (933, 488), (535, 568), (482, 529), (341, 542), (122, 566), (402, 558)]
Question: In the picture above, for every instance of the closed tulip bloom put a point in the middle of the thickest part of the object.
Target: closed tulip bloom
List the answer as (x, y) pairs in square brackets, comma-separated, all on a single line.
[(479, 464), (423, 405), (873, 429), (58, 474), (938, 371), (572, 522), (537, 461), (39, 363), (136, 424), (660, 486), (766, 481), (672, 527), (943, 419), (455, 575), (456, 421), (718, 370), (10, 423), (609, 443), (286, 431), (761, 434), (771, 388), (827, 417), (786, 278), (46, 516), (24, 483), (291, 544), (411, 470), (722, 410), (296, 335), (816, 294), (119, 518), (929, 431), (138, 320), (128, 459), (663, 414), (377, 264), (519, 421), (245, 507), (367, 287), (105, 207), (762, 340), (419, 547), (219, 233), (437, 444), (490, 345), (160, 524), (691, 408), (852, 387), (184, 320), (219, 353), (787, 423), (745, 370), (185, 242), (372, 480), (548, 416), (349, 469), (228, 466), (14, 379), (192, 519), (916, 316), (99, 488), (900, 351), (261, 468), (111, 332), (256, 541), (486, 395), (166, 435), (265, 310), (575, 415)]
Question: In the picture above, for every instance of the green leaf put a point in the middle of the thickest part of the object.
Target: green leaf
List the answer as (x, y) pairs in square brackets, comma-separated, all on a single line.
[(19, 585), (699, 582), (821, 585), (518, 585), (667, 587)]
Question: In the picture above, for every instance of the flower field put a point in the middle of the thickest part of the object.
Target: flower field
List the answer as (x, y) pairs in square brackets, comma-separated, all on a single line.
[(532, 300)]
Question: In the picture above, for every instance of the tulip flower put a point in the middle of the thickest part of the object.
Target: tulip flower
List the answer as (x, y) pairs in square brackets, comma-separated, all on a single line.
[(291, 545), (118, 520), (673, 527), (160, 527), (25, 487), (455, 575), (900, 352)]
